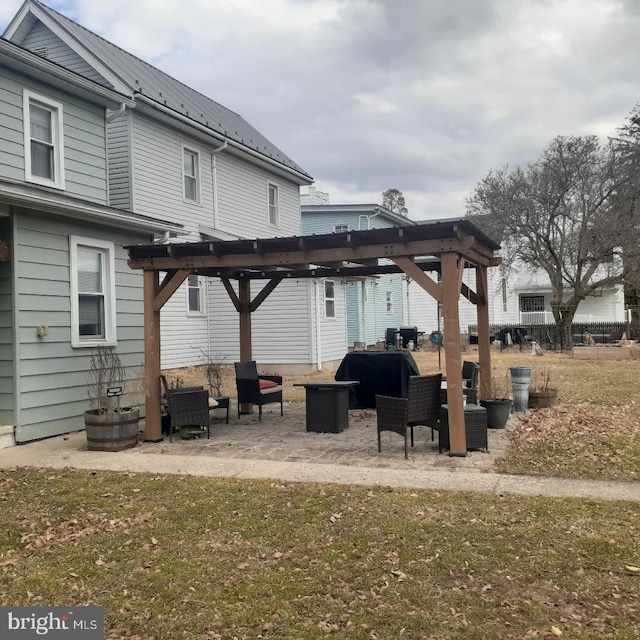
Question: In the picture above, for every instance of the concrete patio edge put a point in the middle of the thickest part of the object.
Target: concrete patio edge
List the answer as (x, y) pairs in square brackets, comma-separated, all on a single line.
[(63, 452)]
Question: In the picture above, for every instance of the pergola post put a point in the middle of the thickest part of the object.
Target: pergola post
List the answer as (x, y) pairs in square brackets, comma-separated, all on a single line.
[(451, 283), (153, 426), (244, 298), (484, 348)]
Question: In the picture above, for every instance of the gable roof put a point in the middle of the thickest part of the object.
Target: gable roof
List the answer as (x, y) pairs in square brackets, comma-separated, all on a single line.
[(361, 209), (135, 77)]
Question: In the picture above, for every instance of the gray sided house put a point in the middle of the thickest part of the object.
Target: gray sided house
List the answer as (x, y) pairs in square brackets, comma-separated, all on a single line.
[(64, 280), (177, 155), (373, 303)]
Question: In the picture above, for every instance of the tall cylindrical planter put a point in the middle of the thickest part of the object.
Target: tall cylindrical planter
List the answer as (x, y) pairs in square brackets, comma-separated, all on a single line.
[(520, 381)]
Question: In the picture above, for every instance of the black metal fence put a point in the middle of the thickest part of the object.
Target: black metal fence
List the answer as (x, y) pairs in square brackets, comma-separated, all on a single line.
[(551, 336)]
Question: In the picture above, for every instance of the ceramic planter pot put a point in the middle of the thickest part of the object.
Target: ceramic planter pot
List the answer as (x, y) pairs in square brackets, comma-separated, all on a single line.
[(498, 412)]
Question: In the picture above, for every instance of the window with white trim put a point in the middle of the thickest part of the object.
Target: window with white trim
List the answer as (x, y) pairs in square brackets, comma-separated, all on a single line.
[(195, 295), (43, 140), (329, 299), (274, 213), (389, 301), (531, 303), (191, 175), (93, 293), (363, 223), (340, 228)]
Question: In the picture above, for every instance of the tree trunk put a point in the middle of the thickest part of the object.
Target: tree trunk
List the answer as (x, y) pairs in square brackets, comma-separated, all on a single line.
[(563, 314)]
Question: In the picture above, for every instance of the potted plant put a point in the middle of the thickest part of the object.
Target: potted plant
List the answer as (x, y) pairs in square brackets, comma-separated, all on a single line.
[(499, 405), (542, 393), (109, 426)]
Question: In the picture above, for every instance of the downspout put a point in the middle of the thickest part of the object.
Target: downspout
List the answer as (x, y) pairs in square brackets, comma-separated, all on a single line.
[(214, 180), (318, 332), (115, 114)]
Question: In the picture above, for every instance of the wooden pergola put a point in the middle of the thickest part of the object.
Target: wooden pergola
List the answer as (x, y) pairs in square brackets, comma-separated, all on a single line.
[(443, 246)]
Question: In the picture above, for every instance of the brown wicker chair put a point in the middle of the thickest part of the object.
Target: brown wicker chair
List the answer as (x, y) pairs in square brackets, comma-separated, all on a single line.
[(424, 402), (391, 415), (189, 408), (250, 390)]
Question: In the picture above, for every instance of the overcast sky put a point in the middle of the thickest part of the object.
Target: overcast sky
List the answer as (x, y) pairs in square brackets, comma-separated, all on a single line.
[(425, 96)]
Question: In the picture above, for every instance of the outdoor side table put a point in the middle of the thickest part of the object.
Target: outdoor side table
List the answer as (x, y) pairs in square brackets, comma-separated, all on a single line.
[(475, 426), (223, 403), (327, 405)]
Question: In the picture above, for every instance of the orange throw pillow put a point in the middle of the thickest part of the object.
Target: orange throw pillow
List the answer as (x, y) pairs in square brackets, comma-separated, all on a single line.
[(267, 384)]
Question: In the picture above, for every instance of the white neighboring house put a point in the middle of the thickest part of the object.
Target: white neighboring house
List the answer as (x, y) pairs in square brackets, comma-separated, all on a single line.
[(517, 295), (178, 155)]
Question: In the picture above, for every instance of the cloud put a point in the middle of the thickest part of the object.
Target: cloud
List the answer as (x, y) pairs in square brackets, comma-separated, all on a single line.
[(421, 95)]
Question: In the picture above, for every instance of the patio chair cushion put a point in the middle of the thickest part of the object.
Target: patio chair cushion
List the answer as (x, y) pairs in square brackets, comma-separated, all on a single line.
[(267, 384), (277, 388), (213, 403)]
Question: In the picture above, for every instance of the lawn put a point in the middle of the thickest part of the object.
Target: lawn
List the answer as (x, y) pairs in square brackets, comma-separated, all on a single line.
[(203, 559)]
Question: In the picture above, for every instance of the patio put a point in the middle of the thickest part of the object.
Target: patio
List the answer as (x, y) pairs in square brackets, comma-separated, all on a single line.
[(285, 439)]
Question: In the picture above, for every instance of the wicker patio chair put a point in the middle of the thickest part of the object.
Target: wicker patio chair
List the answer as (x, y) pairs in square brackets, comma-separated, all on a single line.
[(471, 375), (257, 389), (424, 402), (391, 415), (189, 408)]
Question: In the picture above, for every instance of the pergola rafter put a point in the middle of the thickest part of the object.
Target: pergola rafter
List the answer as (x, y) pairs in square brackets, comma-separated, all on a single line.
[(442, 246)]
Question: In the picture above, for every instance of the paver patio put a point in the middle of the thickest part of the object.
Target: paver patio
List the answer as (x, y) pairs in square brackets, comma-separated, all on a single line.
[(285, 439)]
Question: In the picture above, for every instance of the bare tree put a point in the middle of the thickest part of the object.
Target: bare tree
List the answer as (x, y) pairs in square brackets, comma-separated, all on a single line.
[(393, 200), (568, 214)]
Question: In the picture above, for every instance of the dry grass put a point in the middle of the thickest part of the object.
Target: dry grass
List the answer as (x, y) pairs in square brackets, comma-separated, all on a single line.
[(205, 559)]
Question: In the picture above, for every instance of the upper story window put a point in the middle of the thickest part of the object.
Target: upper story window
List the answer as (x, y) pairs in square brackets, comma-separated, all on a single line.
[(43, 143), (191, 175), (329, 299), (531, 303), (93, 294), (389, 301), (195, 295), (363, 223), (274, 208), (340, 228)]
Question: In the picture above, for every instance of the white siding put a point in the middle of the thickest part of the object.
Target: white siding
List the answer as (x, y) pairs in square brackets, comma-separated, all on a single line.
[(119, 158)]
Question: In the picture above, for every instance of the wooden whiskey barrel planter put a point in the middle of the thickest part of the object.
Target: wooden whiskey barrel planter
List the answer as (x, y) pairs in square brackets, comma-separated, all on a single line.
[(112, 431)]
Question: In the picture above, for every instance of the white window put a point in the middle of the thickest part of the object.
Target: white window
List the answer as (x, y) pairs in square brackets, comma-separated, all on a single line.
[(329, 299), (363, 223), (43, 147), (389, 301), (340, 228), (93, 293), (195, 295), (191, 175), (274, 213)]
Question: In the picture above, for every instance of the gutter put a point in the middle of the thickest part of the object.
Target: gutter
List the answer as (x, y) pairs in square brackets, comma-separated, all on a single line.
[(218, 136)]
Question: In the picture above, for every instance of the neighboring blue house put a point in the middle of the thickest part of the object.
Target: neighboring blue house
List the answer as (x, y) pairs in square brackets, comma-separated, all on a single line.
[(373, 303), (176, 154), (64, 281)]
